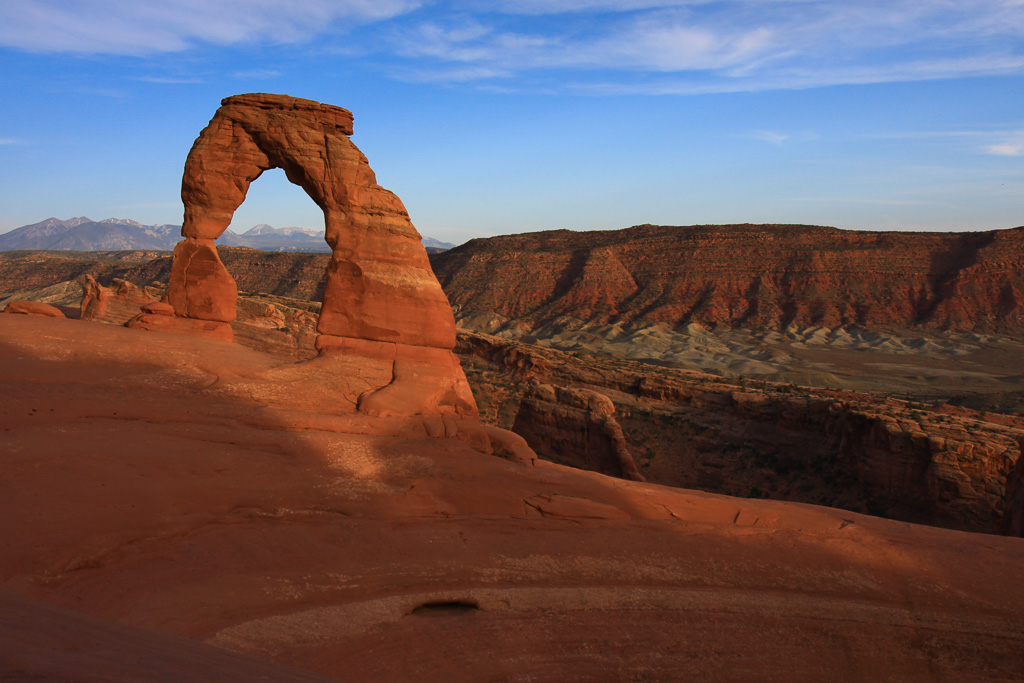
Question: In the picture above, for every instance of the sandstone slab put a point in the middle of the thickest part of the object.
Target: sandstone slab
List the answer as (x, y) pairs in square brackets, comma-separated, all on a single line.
[(33, 308)]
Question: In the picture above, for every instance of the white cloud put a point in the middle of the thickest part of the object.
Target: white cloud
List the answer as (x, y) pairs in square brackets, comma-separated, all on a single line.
[(587, 46), (728, 46), (138, 27), (450, 75), (9, 141), (771, 137), (1006, 149), (1011, 142), (570, 6)]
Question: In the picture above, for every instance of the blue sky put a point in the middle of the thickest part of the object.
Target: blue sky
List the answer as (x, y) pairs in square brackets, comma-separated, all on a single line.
[(521, 115)]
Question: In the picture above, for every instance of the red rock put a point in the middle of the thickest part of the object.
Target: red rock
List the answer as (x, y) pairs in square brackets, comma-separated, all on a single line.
[(161, 322), (741, 276), (406, 379), (34, 308), (158, 308), (379, 283), (575, 427), (208, 491), (200, 285), (381, 301), (947, 467), (43, 643), (116, 304)]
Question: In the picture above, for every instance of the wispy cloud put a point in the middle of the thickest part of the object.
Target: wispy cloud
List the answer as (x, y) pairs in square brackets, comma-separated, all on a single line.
[(537, 7), (456, 74), (1014, 149), (709, 46), (9, 141), (115, 93), (142, 28), (1007, 143), (598, 47), (771, 137)]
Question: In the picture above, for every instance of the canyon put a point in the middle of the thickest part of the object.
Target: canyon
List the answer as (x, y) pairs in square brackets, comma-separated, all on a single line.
[(888, 430)]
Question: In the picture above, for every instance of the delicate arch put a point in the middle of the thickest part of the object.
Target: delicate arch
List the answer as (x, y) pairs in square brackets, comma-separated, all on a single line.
[(379, 283)]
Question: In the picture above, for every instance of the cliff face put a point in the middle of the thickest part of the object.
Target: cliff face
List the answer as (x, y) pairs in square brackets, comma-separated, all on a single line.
[(937, 465), (575, 427), (748, 276)]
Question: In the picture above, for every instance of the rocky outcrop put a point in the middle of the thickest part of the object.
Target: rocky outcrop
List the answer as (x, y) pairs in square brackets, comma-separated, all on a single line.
[(1013, 506), (575, 427), (33, 308), (739, 276), (115, 304), (381, 302)]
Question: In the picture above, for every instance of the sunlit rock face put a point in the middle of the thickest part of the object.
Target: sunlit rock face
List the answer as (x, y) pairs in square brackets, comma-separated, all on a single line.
[(381, 301)]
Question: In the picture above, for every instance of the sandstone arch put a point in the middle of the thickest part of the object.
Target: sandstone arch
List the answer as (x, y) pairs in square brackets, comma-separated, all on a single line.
[(379, 285), (382, 303)]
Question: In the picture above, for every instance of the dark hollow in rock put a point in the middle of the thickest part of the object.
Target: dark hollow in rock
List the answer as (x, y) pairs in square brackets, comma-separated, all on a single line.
[(445, 608)]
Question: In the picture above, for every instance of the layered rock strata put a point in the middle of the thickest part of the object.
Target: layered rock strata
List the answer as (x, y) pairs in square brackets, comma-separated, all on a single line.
[(739, 276), (381, 301)]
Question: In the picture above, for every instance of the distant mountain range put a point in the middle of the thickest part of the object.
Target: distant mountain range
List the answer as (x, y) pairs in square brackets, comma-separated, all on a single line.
[(117, 234)]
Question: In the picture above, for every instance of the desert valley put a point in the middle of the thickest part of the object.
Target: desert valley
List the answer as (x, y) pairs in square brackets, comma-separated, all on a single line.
[(727, 452)]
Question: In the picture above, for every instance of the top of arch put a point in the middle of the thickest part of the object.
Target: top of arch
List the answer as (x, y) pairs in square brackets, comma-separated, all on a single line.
[(326, 115)]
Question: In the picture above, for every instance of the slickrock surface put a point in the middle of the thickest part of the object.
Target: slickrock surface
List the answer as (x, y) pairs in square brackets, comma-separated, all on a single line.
[(928, 464), (739, 276), (42, 643), (205, 490), (33, 308)]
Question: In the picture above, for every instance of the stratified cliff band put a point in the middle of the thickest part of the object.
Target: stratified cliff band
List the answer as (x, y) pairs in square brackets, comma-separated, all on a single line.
[(742, 276)]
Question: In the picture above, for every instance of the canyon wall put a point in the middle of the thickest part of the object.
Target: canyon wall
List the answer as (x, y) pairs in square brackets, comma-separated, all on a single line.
[(937, 465), (741, 276), (575, 427)]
